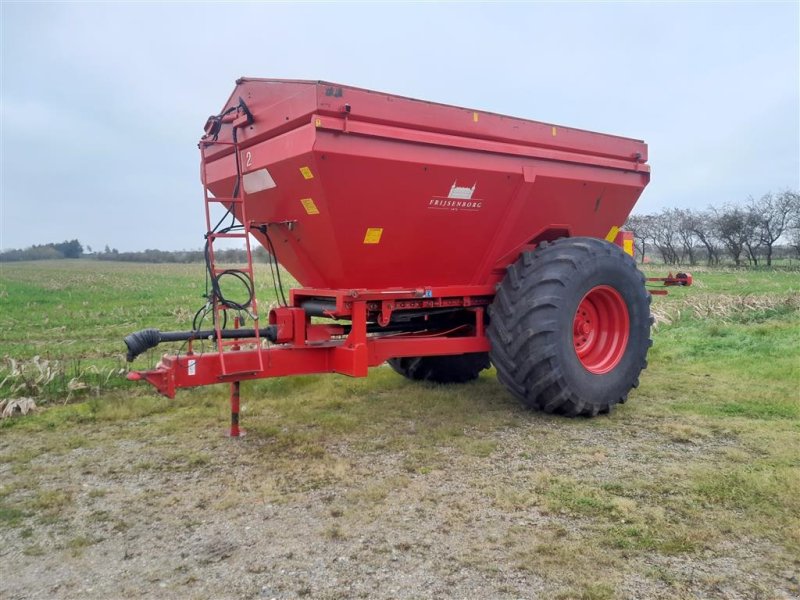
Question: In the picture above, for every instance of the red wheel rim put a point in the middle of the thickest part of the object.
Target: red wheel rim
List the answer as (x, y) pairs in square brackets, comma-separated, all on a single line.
[(600, 329)]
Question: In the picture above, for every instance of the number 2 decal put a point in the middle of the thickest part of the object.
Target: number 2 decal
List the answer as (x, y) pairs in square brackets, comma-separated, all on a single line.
[(248, 159)]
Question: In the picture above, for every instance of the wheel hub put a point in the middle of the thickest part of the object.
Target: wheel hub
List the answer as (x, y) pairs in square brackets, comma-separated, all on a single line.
[(601, 328)]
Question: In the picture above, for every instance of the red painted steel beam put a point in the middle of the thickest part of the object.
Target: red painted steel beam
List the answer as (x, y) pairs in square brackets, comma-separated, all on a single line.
[(348, 357)]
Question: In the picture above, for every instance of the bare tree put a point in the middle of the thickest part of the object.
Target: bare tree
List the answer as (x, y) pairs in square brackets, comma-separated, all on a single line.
[(752, 240), (641, 227), (665, 236), (683, 219), (731, 228), (794, 239), (701, 223), (773, 216), (793, 229)]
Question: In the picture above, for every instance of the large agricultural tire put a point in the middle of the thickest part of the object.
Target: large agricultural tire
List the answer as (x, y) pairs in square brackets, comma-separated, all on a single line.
[(570, 327), (457, 368)]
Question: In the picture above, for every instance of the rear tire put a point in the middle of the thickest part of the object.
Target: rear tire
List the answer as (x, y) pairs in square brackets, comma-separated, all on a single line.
[(457, 368), (570, 327)]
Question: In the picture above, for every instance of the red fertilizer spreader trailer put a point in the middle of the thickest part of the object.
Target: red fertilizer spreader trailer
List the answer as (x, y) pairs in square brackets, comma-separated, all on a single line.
[(437, 238)]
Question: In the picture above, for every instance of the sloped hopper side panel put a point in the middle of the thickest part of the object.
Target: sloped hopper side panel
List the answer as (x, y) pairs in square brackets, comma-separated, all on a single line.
[(376, 211)]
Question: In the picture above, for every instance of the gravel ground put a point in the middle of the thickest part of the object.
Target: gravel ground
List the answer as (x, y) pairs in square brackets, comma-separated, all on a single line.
[(198, 515)]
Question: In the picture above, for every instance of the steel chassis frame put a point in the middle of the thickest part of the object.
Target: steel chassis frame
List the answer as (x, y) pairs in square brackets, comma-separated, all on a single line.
[(304, 347)]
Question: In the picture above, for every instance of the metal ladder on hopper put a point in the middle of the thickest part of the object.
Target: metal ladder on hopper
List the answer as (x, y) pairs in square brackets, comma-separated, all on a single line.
[(234, 204)]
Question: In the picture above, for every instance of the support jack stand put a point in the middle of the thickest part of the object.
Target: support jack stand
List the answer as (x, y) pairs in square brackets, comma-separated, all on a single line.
[(235, 432)]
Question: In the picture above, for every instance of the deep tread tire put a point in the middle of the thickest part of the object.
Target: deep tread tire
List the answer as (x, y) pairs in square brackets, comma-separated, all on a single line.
[(531, 326), (458, 368)]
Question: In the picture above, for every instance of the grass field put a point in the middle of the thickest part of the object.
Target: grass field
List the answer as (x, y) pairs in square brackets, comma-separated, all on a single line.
[(380, 487)]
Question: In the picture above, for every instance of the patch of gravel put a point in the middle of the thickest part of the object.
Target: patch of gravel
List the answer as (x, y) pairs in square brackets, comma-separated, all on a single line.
[(143, 523)]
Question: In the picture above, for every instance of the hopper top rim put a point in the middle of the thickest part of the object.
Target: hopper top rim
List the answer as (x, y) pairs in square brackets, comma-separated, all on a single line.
[(244, 79)]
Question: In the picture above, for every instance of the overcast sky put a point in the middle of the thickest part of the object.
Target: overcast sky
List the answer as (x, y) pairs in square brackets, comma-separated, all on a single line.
[(102, 105)]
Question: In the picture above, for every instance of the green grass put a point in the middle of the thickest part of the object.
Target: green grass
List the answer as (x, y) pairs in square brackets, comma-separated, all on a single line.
[(73, 315), (705, 456)]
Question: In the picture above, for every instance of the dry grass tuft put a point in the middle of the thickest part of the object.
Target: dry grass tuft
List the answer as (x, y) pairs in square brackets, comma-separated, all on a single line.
[(45, 379), (31, 376), (16, 406), (723, 307)]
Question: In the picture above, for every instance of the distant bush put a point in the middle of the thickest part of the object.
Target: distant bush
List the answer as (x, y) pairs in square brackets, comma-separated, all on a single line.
[(231, 255), (71, 249), (153, 256), (74, 249)]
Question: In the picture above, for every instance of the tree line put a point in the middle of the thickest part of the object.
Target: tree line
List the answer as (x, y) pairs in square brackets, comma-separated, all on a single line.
[(74, 249), (227, 255), (750, 233), (65, 249)]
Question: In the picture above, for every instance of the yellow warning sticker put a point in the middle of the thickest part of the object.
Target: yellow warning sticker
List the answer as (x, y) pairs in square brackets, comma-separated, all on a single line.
[(627, 245), (475, 117), (318, 123), (373, 235), (308, 204), (612, 234), (555, 131), (306, 173)]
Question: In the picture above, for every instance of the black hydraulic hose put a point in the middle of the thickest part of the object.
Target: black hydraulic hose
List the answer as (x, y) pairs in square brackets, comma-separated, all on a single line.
[(143, 340)]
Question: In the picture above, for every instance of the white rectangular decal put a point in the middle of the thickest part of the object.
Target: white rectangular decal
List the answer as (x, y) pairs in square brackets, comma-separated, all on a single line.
[(258, 181)]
